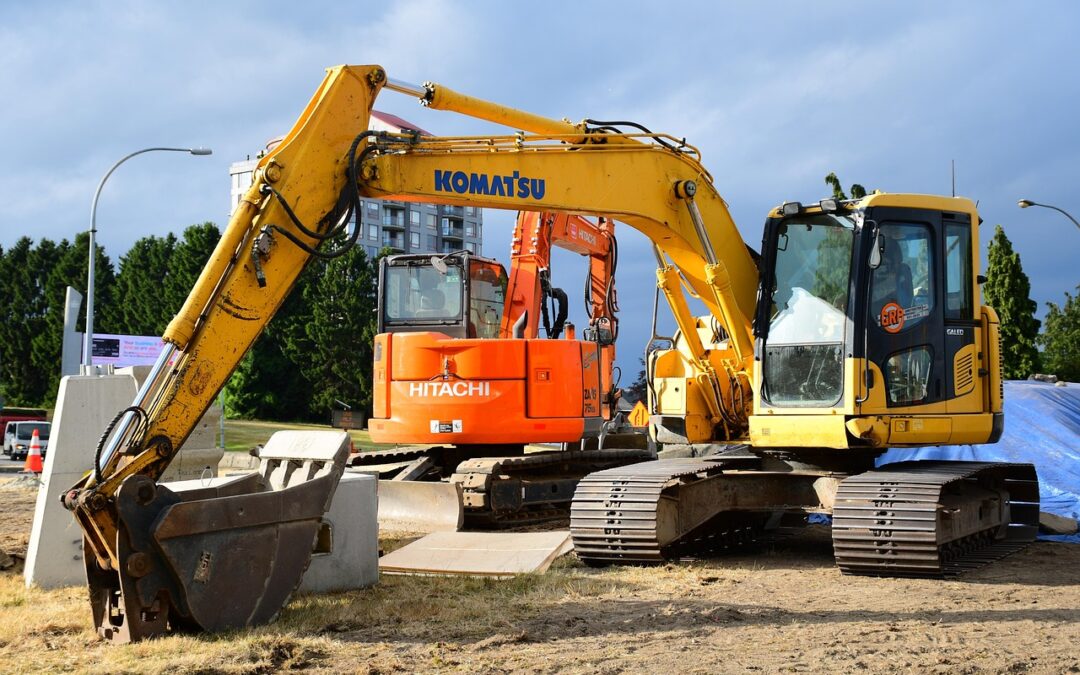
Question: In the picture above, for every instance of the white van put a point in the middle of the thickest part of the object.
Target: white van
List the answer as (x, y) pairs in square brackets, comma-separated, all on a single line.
[(17, 437)]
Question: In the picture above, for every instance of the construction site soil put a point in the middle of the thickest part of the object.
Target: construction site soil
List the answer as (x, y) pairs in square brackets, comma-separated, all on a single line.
[(780, 607)]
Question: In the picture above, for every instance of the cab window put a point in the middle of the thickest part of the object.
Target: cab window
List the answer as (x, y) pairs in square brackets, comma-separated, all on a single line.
[(487, 290), (902, 293), (958, 295), (422, 292)]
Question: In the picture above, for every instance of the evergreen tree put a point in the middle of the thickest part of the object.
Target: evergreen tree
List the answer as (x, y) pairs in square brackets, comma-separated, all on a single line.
[(34, 281), (335, 350), (140, 306), (269, 383), (68, 267), (639, 389), (22, 315), (1061, 339), (189, 257), (1008, 291)]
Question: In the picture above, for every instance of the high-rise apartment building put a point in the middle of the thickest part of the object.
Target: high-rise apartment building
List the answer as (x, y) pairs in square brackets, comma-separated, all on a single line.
[(405, 227)]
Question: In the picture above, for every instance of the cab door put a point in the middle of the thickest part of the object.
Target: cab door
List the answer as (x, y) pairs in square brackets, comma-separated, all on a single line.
[(905, 327)]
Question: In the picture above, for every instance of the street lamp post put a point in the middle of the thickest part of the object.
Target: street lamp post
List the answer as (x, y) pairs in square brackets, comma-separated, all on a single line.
[(1024, 203), (88, 345)]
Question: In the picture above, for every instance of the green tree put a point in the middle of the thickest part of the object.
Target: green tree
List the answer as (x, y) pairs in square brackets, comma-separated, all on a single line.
[(269, 382), (1061, 339), (67, 266), (335, 349), (857, 191), (141, 309), (1008, 291), (34, 280), (189, 257), (639, 388), (22, 315)]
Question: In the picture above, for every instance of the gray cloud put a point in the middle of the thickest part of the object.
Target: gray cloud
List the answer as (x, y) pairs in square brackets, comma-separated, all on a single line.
[(774, 94)]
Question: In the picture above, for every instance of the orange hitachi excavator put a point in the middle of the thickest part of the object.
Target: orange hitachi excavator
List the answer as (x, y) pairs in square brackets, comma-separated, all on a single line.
[(461, 366)]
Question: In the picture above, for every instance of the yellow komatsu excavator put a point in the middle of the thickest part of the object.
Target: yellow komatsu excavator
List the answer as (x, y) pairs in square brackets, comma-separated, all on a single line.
[(858, 328)]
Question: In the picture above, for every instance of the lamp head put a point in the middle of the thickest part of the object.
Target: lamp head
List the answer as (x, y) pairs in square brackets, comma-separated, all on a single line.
[(1024, 203), (201, 151)]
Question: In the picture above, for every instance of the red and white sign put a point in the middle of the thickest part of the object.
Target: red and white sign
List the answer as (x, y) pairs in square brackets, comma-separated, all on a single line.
[(892, 317)]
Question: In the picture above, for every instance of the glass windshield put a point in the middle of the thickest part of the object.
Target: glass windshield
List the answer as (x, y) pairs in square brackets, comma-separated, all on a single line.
[(488, 292), (422, 292), (808, 314), (26, 430)]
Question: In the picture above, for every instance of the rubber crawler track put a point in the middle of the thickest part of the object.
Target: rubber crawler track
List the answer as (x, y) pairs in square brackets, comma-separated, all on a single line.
[(885, 521), (613, 518), (535, 466)]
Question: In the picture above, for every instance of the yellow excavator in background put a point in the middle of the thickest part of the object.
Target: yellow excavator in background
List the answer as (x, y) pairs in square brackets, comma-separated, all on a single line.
[(857, 330)]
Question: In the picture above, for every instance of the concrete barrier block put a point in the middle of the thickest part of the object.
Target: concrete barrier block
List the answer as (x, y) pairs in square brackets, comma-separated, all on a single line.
[(193, 463), (353, 561), (84, 406)]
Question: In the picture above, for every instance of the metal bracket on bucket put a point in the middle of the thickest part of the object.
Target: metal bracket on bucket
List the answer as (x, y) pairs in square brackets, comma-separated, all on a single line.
[(220, 557)]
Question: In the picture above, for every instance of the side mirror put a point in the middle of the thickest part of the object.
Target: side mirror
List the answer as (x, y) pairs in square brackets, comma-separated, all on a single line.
[(875, 251), (439, 263)]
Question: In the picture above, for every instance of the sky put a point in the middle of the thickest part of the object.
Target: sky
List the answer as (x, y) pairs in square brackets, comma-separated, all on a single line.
[(775, 95)]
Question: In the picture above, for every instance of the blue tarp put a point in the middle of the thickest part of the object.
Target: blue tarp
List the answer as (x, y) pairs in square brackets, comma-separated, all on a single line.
[(1042, 426)]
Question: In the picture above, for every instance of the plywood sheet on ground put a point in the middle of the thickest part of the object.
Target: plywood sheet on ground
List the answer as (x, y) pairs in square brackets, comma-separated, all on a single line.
[(498, 554)]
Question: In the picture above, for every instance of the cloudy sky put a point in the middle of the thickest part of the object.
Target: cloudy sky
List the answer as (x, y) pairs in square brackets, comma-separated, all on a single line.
[(775, 94)]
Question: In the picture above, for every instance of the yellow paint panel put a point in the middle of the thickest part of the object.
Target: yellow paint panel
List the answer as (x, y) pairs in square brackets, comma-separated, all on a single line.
[(805, 431), (920, 430)]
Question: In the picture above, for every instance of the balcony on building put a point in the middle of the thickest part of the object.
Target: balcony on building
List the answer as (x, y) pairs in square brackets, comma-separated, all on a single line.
[(393, 216), (394, 240), (452, 228), (457, 211)]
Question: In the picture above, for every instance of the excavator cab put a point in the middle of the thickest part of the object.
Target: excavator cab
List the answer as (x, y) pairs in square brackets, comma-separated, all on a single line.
[(868, 328), (458, 294)]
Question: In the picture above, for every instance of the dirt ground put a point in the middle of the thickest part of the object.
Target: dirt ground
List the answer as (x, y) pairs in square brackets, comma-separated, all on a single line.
[(782, 607)]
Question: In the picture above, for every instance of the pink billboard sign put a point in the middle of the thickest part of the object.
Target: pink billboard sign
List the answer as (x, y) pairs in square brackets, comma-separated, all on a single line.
[(126, 350)]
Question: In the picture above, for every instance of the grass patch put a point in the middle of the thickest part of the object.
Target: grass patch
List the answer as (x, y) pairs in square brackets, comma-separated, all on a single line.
[(51, 631), (243, 435)]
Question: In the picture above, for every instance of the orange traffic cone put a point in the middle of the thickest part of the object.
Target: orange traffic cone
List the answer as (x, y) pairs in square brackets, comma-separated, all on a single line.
[(33, 457)]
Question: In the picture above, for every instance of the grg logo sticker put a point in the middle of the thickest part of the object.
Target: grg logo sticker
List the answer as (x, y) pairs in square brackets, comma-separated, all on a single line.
[(892, 317)]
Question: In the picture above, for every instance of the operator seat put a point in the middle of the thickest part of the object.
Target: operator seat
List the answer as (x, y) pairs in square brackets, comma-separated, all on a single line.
[(898, 270), (432, 304)]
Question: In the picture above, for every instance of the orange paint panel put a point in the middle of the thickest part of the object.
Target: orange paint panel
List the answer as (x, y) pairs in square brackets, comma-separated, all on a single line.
[(421, 356), (590, 380), (381, 376), (464, 412), (554, 378)]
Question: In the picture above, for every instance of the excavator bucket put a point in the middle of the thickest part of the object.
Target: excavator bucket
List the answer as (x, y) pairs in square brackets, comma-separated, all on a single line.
[(420, 506), (219, 557)]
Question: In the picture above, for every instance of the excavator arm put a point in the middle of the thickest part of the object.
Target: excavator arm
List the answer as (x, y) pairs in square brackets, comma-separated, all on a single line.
[(535, 234), (250, 273)]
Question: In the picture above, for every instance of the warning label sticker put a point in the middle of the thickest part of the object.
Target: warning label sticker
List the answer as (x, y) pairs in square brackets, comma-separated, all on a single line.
[(445, 426)]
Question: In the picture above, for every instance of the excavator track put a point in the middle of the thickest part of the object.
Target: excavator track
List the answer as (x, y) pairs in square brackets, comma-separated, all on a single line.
[(531, 488), (933, 518), (630, 514)]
